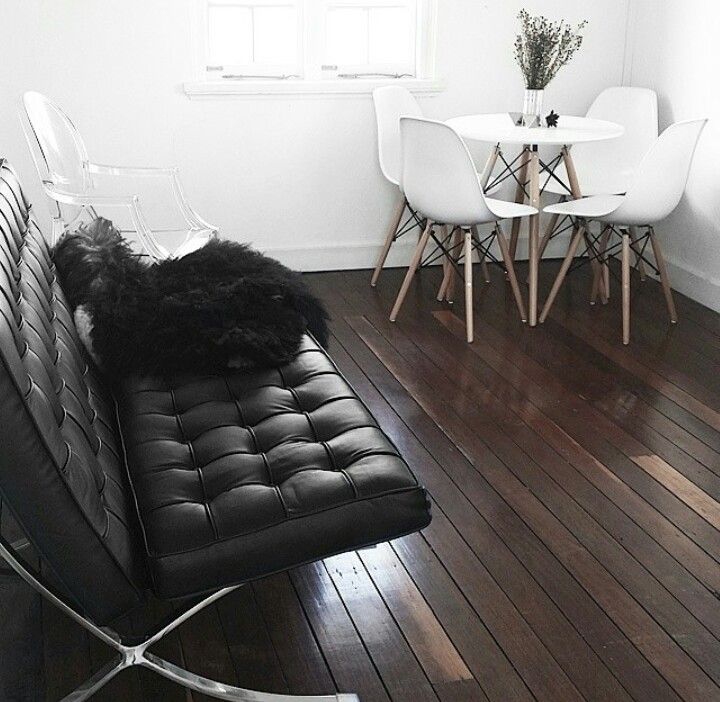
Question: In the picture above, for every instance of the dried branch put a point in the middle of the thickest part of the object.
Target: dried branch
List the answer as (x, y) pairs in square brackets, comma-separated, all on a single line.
[(543, 47)]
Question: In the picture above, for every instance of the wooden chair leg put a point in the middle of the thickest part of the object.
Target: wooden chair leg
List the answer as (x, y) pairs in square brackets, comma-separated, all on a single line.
[(389, 239), (626, 286), (417, 257), (574, 243), (549, 231), (604, 269), (503, 244), (447, 270), (458, 246), (446, 239), (638, 256), (481, 256), (664, 278), (485, 270), (469, 319), (598, 275)]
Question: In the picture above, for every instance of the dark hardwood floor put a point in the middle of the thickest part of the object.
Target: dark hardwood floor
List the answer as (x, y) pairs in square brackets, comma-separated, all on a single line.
[(575, 547)]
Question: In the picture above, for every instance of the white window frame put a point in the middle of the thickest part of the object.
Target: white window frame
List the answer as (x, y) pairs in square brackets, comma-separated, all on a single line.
[(308, 76), (260, 71)]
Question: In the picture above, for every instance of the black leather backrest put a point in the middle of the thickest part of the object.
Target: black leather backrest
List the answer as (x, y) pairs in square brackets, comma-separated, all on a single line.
[(61, 469)]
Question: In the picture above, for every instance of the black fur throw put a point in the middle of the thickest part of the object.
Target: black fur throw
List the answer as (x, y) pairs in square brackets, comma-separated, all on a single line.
[(224, 306)]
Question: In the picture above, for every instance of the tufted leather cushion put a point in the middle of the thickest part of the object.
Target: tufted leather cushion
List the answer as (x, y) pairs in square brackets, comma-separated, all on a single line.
[(61, 471), (240, 476)]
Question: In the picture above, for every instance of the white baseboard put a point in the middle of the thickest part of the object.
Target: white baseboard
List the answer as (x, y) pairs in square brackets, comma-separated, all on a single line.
[(684, 278), (697, 285), (364, 256)]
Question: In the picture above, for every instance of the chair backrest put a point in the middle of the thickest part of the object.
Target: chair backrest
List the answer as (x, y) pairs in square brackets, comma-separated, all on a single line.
[(438, 174), (62, 473), (57, 148), (391, 103), (661, 177), (607, 167)]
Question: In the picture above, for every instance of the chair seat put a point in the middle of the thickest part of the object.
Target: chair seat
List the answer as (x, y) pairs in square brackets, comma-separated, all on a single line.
[(588, 207), (503, 209), (197, 239), (593, 183), (240, 476)]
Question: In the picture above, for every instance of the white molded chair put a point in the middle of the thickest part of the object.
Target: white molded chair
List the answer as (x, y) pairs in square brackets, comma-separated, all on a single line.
[(607, 167), (439, 179), (66, 171), (391, 103), (655, 191)]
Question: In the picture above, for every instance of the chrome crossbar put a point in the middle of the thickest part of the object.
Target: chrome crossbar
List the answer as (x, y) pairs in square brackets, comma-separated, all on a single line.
[(138, 655)]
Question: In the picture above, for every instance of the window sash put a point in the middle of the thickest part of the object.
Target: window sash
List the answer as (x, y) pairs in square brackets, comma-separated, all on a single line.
[(366, 10), (254, 68), (311, 61)]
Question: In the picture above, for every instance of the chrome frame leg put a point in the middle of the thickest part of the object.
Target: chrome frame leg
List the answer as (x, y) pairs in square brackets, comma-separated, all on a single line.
[(128, 656)]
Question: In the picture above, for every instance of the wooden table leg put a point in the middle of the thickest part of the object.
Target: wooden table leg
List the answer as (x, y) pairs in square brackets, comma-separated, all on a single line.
[(577, 194), (534, 236), (519, 198), (489, 167)]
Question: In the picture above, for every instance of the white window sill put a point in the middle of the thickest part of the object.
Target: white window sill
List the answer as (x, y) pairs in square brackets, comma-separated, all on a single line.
[(329, 88)]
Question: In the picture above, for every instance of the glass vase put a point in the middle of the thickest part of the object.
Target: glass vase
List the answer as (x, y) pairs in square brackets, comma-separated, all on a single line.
[(532, 107)]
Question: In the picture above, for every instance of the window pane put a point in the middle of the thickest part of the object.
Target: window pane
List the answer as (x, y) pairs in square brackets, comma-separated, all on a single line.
[(230, 35), (390, 38), (347, 35), (276, 35)]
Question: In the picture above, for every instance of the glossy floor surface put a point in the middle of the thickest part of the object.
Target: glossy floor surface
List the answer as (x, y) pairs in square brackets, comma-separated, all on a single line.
[(575, 548)]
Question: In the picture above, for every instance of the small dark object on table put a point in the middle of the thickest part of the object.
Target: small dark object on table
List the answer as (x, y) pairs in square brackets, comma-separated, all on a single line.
[(552, 119)]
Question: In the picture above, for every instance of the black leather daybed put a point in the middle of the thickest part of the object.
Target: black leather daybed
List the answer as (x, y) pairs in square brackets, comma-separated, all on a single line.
[(179, 489)]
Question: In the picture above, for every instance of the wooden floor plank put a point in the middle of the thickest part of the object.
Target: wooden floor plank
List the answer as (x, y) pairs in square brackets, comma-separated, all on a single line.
[(205, 650), (460, 691), (526, 651), (676, 620), (343, 649), (573, 439), (540, 612), (574, 552), (680, 670), (399, 668), (256, 663), (302, 662), (426, 636), (697, 598), (607, 442)]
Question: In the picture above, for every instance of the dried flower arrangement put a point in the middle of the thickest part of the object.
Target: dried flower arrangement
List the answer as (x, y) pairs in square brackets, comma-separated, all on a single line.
[(543, 47)]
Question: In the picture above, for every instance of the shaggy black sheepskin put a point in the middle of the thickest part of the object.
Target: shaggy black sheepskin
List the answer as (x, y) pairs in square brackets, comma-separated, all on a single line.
[(222, 307)]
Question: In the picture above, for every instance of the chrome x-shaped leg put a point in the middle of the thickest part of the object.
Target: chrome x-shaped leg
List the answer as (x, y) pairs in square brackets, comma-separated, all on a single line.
[(128, 656)]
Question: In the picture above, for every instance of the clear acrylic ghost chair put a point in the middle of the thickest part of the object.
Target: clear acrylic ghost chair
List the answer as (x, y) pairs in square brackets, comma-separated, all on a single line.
[(67, 174), (607, 168), (655, 191), (439, 179)]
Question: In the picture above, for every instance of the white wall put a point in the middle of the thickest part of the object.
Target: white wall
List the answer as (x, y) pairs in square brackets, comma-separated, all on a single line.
[(674, 50), (296, 176)]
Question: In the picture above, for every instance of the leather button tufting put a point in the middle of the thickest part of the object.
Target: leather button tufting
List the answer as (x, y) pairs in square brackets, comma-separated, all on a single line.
[(252, 462)]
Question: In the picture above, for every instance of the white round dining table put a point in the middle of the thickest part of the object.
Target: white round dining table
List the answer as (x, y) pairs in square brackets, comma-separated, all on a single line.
[(500, 129)]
